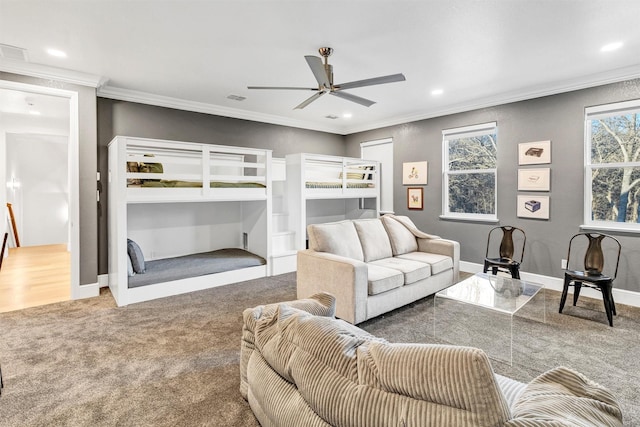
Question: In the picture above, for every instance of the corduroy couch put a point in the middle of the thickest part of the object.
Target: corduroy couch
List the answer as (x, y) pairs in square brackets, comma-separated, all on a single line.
[(302, 367), (373, 266)]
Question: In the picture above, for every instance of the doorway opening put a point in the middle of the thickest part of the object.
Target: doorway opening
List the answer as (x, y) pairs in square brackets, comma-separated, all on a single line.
[(39, 170)]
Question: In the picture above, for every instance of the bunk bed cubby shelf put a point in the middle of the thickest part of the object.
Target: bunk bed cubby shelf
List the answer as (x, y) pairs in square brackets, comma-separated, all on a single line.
[(179, 200), (324, 188)]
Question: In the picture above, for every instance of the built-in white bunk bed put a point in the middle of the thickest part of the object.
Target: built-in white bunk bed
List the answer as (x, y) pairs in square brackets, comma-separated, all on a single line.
[(198, 215), (323, 188)]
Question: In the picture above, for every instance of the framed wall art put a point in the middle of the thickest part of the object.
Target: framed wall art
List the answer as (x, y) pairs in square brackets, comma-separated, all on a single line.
[(414, 173), (414, 198), (534, 153), (533, 206), (534, 179)]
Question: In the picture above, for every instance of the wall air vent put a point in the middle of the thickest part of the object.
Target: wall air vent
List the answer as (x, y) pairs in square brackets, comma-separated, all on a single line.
[(236, 97), (13, 52), (331, 116)]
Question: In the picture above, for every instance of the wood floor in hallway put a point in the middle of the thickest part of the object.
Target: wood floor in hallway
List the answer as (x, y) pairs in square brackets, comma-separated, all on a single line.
[(35, 275)]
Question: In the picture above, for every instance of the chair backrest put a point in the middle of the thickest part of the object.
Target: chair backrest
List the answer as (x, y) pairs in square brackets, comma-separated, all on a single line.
[(507, 247), (594, 254)]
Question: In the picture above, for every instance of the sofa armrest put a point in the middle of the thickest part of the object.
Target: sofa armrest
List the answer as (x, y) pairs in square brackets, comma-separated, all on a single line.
[(345, 278), (446, 247)]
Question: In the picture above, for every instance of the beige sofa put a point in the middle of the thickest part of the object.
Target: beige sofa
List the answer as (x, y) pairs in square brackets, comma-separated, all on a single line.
[(302, 367), (373, 266)]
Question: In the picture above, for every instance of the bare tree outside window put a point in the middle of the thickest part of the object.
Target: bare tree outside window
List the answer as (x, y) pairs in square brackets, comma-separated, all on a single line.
[(470, 173), (615, 167)]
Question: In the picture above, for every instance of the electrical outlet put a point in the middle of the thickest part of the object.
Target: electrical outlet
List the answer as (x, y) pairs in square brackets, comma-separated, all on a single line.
[(563, 264)]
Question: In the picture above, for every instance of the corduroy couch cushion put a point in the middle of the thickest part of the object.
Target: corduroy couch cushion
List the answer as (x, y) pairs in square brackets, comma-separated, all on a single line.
[(309, 370)]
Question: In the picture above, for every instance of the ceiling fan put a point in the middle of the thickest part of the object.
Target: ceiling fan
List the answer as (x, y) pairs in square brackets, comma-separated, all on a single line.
[(323, 73)]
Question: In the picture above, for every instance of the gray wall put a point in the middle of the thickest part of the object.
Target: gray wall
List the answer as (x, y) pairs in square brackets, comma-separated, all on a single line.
[(87, 170), (559, 118), (131, 119)]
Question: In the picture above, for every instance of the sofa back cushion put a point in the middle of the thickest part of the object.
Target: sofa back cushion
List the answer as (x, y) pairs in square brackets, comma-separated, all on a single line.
[(349, 377), (458, 379), (338, 238), (402, 239), (374, 239)]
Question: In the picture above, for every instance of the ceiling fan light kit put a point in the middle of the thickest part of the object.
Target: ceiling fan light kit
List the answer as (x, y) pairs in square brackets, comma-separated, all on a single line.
[(323, 72)]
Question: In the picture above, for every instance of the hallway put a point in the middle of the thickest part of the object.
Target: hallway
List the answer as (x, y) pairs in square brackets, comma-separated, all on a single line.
[(35, 275)]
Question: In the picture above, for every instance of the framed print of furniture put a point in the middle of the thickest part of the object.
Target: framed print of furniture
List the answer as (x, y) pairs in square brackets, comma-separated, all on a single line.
[(414, 173), (414, 198), (534, 153), (533, 206), (534, 179)]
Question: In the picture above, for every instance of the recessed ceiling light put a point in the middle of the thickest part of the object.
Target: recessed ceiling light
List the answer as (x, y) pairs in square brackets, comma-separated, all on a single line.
[(437, 92), (34, 113), (347, 115), (611, 47), (236, 97), (57, 53)]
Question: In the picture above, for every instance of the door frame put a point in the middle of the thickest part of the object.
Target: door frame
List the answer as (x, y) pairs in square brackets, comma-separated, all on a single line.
[(74, 180)]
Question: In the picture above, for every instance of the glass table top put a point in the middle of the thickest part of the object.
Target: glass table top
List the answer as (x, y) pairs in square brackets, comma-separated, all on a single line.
[(494, 292)]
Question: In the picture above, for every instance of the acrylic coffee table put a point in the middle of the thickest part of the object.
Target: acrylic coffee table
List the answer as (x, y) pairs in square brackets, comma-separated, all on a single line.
[(479, 312)]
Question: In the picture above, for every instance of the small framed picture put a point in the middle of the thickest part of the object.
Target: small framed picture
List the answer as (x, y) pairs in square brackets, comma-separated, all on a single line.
[(414, 198), (534, 179), (533, 206), (414, 173), (534, 153)]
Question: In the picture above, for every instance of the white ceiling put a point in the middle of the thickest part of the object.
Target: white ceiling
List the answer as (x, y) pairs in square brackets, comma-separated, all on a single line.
[(193, 54)]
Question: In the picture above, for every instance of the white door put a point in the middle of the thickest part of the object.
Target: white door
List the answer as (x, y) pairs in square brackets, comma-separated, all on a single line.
[(382, 151)]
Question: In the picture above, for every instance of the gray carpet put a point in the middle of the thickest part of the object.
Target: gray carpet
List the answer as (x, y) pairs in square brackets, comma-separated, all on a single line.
[(174, 362)]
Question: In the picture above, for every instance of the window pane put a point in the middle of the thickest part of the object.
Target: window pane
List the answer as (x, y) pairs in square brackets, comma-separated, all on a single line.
[(472, 193), (615, 194), (615, 139), (478, 152)]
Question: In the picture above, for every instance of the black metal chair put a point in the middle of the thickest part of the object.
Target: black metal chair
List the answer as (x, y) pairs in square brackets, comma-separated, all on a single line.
[(505, 260), (592, 276)]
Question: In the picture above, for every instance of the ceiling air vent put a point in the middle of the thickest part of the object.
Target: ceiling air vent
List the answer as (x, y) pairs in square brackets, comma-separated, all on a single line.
[(236, 97), (12, 52)]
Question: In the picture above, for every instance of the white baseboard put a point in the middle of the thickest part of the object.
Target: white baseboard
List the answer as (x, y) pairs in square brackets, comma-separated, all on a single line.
[(103, 280), (621, 296), (89, 290)]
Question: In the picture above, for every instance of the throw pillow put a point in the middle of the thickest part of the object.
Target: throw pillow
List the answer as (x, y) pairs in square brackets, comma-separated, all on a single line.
[(137, 259), (130, 271)]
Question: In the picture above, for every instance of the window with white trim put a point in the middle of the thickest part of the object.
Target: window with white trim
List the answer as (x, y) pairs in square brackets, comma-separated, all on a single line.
[(612, 166), (470, 159)]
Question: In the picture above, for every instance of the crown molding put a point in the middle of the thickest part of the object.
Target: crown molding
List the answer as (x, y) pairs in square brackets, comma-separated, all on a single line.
[(51, 73), (585, 82), (129, 95)]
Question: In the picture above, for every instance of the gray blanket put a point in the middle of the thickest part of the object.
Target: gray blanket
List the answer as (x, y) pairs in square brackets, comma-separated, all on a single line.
[(193, 265)]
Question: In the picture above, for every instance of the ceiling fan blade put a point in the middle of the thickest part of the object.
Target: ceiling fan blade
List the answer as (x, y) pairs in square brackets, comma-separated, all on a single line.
[(317, 67), (309, 100), (353, 98), (374, 81), (282, 88)]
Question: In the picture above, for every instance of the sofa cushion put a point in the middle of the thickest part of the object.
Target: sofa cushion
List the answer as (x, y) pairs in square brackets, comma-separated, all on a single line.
[(381, 279), (456, 384), (373, 238), (411, 270), (338, 238), (402, 240), (438, 263), (562, 394)]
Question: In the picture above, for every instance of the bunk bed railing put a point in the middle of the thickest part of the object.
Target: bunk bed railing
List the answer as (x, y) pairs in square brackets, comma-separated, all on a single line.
[(175, 170)]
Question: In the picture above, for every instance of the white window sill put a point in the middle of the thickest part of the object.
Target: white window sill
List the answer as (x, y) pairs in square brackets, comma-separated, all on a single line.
[(610, 228), (469, 218)]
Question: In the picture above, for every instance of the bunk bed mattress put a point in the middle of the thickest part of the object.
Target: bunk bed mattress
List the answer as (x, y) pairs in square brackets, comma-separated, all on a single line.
[(313, 184), (194, 265), (194, 184)]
